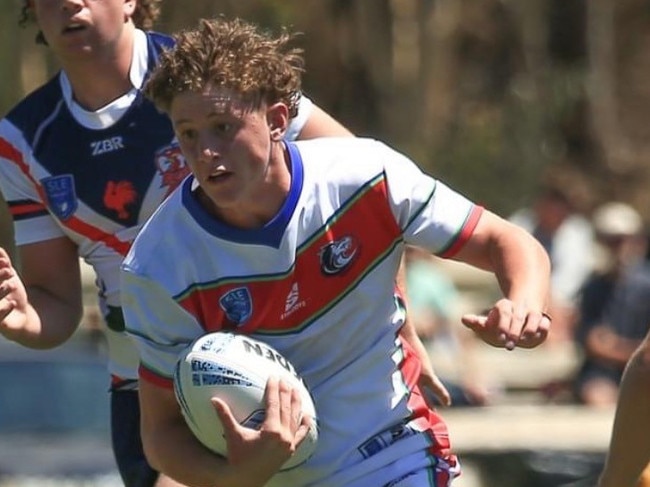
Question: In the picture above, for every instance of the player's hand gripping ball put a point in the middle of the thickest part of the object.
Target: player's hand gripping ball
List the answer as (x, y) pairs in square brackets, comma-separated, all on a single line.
[(234, 368)]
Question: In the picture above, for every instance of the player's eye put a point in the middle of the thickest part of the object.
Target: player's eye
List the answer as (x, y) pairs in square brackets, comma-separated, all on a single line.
[(223, 128), (187, 135)]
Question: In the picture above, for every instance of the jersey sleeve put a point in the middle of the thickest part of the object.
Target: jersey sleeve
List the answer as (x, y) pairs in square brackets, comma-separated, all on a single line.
[(160, 328), (430, 213), (298, 122), (21, 189)]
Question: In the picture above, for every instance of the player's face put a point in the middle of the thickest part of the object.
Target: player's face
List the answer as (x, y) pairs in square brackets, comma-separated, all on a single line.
[(234, 153), (73, 27)]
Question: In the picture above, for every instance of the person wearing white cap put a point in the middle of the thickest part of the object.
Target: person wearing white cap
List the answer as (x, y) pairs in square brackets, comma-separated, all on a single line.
[(614, 304)]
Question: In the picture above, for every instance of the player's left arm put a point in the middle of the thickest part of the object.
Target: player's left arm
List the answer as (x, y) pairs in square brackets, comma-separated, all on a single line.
[(522, 268)]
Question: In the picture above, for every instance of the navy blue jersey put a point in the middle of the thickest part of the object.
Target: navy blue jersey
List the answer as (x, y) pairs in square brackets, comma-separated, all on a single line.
[(94, 177)]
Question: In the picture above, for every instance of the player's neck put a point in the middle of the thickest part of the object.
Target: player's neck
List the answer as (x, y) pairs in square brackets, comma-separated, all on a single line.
[(101, 78), (264, 201)]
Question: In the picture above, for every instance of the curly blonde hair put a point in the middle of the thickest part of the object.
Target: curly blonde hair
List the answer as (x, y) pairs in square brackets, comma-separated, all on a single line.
[(233, 54), (144, 17)]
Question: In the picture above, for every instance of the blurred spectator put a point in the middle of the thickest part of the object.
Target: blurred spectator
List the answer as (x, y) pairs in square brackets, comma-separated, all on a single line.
[(614, 304), (433, 306), (567, 236)]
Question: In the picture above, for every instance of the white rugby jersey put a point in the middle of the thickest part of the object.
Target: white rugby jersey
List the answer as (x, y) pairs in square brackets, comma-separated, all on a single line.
[(94, 176), (317, 283)]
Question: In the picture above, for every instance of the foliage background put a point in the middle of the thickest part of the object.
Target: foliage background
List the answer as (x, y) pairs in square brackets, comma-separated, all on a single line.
[(497, 97)]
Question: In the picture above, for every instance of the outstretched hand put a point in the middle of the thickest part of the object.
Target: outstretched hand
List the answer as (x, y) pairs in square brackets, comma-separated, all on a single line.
[(509, 325)]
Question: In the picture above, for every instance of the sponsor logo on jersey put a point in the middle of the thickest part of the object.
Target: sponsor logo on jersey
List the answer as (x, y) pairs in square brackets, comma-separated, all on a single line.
[(293, 302), (119, 195), (237, 304), (171, 165), (105, 146), (337, 256), (61, 195)]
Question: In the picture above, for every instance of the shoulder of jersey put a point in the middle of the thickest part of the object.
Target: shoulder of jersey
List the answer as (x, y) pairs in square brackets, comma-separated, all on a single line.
[(160, 39), (165, 221), (32, 110), (353, 155)]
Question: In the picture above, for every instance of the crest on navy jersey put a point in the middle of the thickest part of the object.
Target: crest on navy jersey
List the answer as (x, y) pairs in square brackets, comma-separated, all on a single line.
[(338, 255), (237, 304), (61, 195), (171, 165)]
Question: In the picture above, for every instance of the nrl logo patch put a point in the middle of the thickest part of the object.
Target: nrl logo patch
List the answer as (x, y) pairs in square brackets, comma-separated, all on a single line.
[(337, 256), (238, 305), (61, 195)]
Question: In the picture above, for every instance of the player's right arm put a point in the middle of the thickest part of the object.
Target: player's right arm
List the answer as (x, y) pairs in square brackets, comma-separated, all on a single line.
[(42, 306), (161, 329), (254, 456)]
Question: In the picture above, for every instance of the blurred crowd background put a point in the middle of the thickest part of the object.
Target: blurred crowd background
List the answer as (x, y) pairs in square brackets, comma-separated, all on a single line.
[(536, 109), (491, 95)]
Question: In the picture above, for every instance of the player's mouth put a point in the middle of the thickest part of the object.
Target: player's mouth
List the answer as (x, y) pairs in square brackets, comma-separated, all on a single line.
[(74, 27), (219, 176)]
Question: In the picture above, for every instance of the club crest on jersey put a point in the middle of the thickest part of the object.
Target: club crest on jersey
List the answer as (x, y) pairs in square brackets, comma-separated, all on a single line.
[(238, 305), (118, 196), (61, 195), (171, 165), (337, 256)]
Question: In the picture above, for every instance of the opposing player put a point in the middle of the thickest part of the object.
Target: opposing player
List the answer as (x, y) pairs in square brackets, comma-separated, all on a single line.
[(297, 245), (628, 457), (84, 160)]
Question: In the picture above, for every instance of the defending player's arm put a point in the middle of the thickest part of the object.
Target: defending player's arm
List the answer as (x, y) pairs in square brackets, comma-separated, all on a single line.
[(629, 449), (41, 307), (321, 124)]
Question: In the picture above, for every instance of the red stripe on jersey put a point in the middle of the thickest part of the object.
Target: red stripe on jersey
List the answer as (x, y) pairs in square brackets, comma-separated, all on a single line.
[(97, 235), (24, 209), (291, 301), (422, 417), (154, 378), (9, 152), (465, 233)]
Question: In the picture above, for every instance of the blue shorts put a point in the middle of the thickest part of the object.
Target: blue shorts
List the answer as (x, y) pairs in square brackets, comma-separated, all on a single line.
[(127, 444)]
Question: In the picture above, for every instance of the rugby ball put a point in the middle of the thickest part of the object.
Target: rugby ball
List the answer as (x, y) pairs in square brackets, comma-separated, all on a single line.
[(234, 368)]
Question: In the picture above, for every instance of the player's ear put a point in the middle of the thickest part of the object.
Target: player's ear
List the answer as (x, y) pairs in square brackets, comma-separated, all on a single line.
[(129, 8), (277, 118)]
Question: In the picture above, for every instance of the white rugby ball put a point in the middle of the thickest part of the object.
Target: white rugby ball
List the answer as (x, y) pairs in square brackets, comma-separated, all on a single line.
[(234, 368)]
